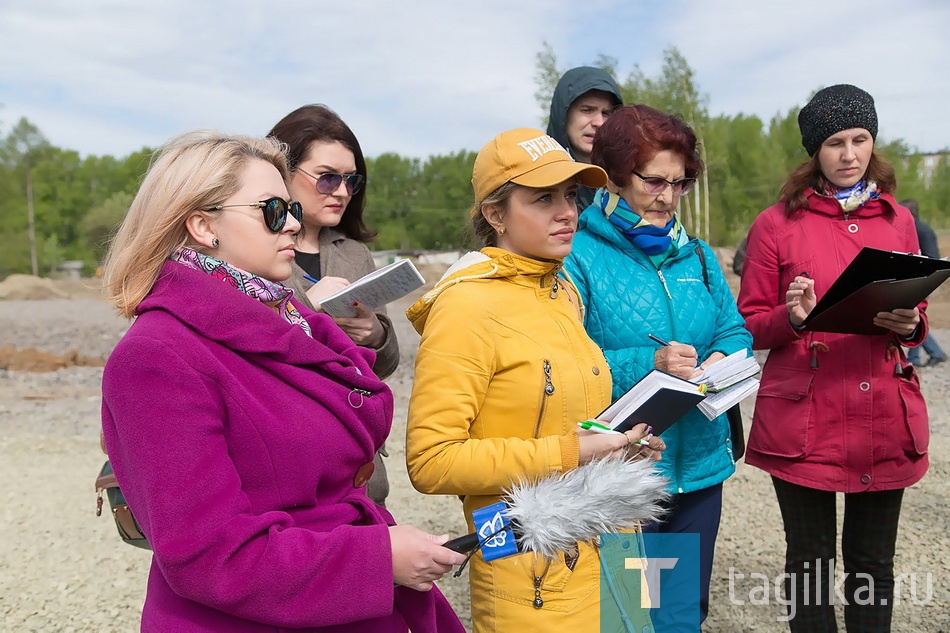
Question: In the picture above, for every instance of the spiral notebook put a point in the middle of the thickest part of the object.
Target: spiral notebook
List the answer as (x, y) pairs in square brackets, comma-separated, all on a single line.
[(375, 289)]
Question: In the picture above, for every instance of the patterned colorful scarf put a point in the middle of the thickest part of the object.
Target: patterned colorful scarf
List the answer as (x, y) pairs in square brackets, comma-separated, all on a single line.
[(271, 293), (652, 240), (850, 198)]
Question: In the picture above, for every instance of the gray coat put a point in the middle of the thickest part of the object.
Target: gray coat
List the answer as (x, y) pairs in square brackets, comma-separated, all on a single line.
[(341, 256)]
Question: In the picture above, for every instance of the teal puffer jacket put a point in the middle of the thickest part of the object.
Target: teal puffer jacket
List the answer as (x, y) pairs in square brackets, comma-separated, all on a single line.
[(627, 298)]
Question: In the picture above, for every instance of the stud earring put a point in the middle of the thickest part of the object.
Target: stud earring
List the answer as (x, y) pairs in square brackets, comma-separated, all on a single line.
[(501, 231), (214, 242)]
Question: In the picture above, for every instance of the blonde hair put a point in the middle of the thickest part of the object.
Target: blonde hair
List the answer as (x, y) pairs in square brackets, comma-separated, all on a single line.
[(194, 171)]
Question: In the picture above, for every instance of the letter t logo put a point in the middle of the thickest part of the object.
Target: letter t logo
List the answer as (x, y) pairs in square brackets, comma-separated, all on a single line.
[(650, 569)]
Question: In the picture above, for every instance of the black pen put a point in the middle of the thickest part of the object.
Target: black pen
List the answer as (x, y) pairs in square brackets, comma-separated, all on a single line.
[(658, 340)]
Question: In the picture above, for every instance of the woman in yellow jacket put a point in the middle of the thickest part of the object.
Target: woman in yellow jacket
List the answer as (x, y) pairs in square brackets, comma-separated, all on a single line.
[(504, 373)]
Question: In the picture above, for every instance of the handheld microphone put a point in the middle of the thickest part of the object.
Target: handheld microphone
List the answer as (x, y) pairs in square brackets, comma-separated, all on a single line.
[(558, 511)]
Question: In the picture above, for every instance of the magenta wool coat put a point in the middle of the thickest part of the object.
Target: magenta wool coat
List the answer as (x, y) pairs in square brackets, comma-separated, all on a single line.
[(239, 442), (831, 413)]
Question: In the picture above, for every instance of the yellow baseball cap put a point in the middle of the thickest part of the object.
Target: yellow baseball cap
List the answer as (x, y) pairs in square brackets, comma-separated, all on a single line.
[(528, 157)]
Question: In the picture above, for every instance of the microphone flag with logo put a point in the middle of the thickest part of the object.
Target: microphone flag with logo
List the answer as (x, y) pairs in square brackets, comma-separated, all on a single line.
[(554, 513)]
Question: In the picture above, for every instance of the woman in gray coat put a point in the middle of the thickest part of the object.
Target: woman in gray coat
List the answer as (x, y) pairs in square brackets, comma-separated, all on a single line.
[(328, 177)]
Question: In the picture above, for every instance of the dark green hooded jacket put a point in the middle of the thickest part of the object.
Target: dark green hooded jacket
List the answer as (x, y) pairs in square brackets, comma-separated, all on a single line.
[(572, 85)]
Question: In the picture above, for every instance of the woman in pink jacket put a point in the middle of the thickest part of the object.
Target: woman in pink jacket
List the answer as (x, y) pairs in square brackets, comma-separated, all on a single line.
[(835, 412), (242, 425)]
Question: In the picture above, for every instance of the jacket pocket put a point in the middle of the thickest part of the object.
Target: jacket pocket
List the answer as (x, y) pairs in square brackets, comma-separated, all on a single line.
[(560, 588), (783, 412), (914, 408), (790, 271)]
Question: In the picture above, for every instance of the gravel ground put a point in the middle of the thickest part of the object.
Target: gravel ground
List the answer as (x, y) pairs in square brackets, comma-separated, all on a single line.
[(62, 569)]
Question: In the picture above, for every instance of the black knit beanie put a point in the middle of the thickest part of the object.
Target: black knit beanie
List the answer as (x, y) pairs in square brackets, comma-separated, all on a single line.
[(833, 109)]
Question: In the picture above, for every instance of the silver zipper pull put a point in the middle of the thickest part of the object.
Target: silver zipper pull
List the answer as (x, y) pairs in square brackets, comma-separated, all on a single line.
[(357, 402)]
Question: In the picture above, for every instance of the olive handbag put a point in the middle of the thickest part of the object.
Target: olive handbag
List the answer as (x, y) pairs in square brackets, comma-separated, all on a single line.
[(128, 528), (107, 484)]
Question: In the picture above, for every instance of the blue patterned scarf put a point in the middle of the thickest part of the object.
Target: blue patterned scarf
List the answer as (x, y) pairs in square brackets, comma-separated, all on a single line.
[(271, 293), (850, 198), (652, 240)]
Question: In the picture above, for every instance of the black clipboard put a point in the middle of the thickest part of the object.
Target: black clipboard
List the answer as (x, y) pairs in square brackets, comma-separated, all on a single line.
[(875, 281)]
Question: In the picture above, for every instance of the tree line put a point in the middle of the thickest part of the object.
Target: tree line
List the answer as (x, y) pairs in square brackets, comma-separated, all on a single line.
[(56, 205)]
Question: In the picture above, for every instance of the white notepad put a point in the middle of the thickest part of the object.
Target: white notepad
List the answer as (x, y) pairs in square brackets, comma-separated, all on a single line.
[(375, 289)]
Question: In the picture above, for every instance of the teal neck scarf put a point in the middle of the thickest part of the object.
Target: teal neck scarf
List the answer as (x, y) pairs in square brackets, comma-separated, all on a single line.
[(652, 240)]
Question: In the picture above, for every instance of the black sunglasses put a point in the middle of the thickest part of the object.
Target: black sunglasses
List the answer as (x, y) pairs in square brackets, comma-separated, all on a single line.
[(328, 182), (657, 185), (275, 211)]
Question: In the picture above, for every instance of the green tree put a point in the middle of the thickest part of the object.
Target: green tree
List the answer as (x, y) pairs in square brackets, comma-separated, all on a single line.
[(674, 90), (546, 77), (63, 188), (936, 205), (391, 189), (22, 149), (100, 223), (440, 218)]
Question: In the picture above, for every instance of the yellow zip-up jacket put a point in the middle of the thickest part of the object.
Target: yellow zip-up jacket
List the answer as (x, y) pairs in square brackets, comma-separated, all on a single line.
[(504, 373)]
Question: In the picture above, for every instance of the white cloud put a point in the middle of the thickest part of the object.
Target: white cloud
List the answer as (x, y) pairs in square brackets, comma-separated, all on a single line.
[(430, 78), (766, 57), (427, 77)]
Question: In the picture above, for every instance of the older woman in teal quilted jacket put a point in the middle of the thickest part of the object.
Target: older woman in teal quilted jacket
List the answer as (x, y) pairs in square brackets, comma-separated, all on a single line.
[(639, 273)]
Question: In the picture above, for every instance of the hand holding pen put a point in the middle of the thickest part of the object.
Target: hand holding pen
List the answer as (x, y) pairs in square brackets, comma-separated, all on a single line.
[(675, 358), (639, 437), (363, 329), (325, 287)]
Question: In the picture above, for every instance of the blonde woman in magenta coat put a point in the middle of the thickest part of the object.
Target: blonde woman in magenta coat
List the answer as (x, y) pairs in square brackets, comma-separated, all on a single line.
[(242, 425)]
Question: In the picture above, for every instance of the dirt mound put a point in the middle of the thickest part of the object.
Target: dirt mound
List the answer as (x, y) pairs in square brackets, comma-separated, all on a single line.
[(36, 361), (28, 287)]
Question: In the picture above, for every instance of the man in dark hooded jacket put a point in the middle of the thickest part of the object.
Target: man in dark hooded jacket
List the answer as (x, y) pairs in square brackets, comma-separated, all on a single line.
[(582, 101)]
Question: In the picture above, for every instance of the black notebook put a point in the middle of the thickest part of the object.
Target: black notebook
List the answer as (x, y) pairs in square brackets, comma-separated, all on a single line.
[(658, 399), (875, 281)]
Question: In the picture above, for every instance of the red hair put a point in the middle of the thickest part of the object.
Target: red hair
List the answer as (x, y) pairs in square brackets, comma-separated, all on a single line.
[(633, 135)]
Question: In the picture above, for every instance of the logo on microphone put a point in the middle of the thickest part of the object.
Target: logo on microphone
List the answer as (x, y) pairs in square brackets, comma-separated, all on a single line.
[(494, 532)]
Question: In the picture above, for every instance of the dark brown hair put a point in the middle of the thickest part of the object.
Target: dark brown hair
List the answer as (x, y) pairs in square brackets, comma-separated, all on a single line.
[(808, 175), (298, 131), (633, 135)]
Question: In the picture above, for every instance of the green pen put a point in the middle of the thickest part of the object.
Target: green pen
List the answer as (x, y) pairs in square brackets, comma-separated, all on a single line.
[(596, 427)]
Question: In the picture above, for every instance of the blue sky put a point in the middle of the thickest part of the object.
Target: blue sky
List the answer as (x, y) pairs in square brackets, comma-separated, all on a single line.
[(437, 76)]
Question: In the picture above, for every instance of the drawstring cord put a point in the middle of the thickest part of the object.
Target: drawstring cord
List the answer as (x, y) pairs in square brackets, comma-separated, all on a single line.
[(894, 352), (481, 542), (815, 348)]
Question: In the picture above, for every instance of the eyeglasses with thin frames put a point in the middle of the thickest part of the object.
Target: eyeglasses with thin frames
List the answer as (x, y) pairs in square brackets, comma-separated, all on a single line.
[(657, 185), (275, 211), (329, 182)]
